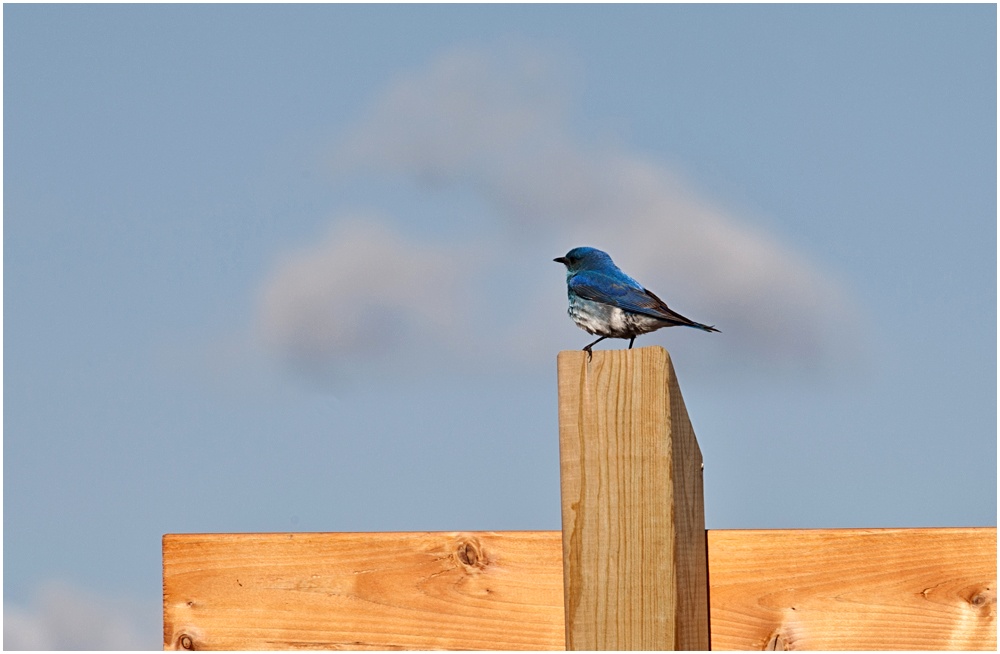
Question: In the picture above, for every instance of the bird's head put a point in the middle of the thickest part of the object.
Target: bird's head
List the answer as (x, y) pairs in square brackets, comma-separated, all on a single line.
[(585, 258)]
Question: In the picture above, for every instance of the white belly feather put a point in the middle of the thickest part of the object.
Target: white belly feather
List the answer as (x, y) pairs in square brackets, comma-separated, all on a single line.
[(605, 320)]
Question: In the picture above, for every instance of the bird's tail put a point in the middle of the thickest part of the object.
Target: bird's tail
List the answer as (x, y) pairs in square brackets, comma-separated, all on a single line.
[(678, 320), (707, 328), (669, 315)]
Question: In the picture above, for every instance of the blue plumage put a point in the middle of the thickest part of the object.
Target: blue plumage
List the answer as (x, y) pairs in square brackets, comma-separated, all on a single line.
[(605, 301)]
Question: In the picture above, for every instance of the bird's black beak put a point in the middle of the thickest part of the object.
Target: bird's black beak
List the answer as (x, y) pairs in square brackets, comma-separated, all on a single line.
[(563, 260)]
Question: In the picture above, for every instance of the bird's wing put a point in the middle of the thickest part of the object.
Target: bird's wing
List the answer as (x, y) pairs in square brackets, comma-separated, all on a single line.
[(604, 288)]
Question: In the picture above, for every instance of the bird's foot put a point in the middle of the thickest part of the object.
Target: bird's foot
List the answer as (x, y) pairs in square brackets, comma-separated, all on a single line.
[(590, 354)]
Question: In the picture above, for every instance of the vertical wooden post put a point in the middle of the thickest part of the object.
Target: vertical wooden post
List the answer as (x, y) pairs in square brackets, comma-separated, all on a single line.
[(634, 551)]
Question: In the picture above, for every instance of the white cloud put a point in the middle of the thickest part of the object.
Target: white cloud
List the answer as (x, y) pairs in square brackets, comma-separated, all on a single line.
[(61, 617), (498, 126), (362, 288)]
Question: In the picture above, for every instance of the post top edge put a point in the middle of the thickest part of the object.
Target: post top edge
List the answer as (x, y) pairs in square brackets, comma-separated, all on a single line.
[(616, 351)]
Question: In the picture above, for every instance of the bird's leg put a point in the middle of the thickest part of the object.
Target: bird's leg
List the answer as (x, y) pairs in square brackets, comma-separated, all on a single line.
[(590, 354), (630, 342)]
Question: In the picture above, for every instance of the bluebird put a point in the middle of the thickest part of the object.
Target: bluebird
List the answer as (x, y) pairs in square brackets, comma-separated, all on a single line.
[(603, 300)]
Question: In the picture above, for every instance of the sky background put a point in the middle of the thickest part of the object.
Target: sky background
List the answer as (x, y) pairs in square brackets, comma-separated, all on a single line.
[(289, 268)]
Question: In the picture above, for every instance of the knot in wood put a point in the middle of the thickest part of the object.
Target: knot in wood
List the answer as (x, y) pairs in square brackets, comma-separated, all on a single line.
[(983, 598), (186, 642), (777, 643), (470, 553)]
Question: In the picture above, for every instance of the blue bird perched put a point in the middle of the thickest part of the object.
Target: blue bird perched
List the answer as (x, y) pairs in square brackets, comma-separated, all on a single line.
[(603, 300)]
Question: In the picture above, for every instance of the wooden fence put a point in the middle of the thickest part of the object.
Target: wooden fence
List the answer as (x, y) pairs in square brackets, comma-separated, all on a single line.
[(632, 568)]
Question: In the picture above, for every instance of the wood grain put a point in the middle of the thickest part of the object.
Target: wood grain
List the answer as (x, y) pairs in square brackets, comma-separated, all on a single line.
[(363, 591), (633, 514), (842, 589)]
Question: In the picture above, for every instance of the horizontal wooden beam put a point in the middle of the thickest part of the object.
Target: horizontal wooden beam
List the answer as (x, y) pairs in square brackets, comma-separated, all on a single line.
[(363, 591), (785, 589), (850, 589)]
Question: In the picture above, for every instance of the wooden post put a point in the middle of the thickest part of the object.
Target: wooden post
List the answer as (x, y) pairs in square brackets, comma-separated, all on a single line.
[(628, 571), (634, 549)]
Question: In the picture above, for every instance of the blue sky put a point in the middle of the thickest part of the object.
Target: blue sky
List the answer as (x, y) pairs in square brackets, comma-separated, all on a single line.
[(289, 268)]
